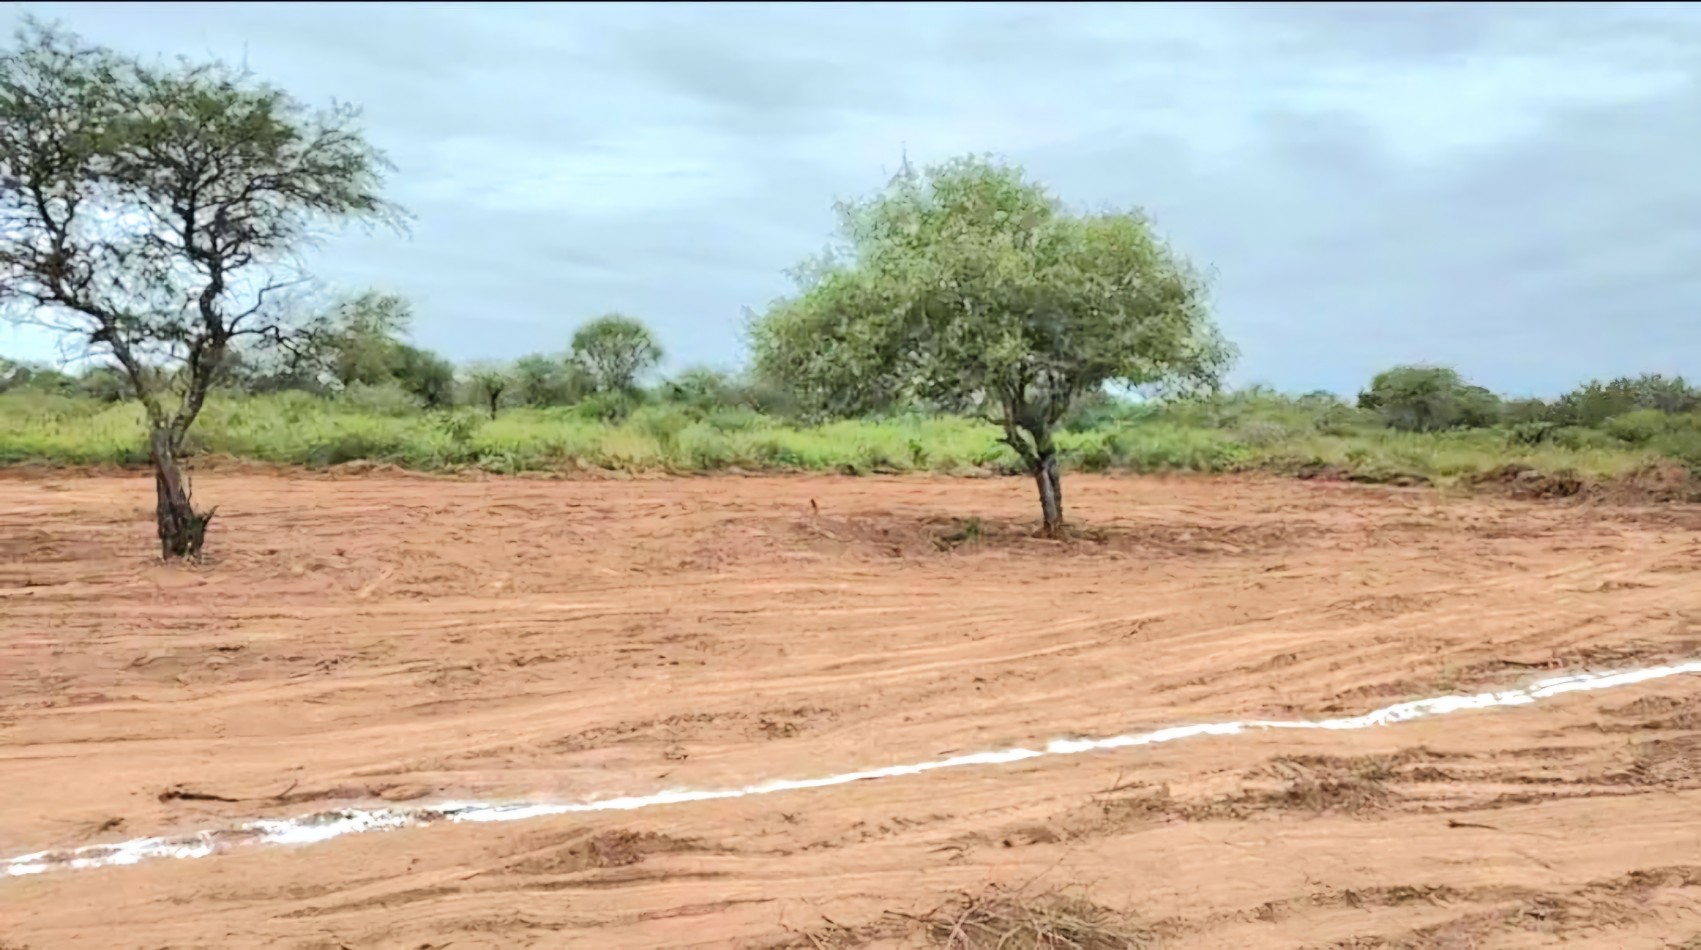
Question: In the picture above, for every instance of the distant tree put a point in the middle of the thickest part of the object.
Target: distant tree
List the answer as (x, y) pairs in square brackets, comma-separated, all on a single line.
[(701, 388), (428, 377), (541, 381), (488, 381), (1593, 403), (970, 286), (37, 377), (615, 350), (106, 383), (362, 336), (1429, 399), (1525, 411), (146, 211)]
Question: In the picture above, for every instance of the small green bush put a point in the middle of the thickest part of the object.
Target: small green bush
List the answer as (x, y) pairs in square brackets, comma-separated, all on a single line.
[(1638, 427)]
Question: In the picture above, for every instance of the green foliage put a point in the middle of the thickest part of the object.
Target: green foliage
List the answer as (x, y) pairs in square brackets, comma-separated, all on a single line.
[(1639, 426), (607, 406), (383, 399), (1531, 433), (486, 382), (104, 153), (428, 377), (383, 423), (1429, 399), (708, 389), (969, 287), (1594, 403), (541, 381), (361, 338), (615, 350)]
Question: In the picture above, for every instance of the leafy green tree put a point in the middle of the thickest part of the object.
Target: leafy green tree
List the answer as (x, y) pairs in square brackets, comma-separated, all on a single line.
[(1527, 411), (700, 387), (363, 335), (1429, 399), (487, 382), (148, 211), (541, 381), (428, 377), (616, 350), (969, 286)]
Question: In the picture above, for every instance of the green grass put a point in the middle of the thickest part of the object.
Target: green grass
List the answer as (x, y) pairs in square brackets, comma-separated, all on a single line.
[(1237, 434)]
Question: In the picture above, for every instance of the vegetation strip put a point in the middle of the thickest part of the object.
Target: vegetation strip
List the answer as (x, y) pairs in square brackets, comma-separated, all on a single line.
[(326, 825)]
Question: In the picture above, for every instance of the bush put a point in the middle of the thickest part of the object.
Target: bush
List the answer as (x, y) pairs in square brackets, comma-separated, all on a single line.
[(1638, 427), (1429, 399), (662, 423), (1531, 433), (607, 406), (1683, 445), (383, 399)]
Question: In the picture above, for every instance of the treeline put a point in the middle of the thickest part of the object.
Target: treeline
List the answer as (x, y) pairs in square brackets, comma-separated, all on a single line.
[(1658, 412), (359, 353)]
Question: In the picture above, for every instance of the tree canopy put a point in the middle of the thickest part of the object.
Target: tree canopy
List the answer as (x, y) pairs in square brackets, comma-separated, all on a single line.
[(151, 212), (969, 286), (615, 350), (1428, 399)]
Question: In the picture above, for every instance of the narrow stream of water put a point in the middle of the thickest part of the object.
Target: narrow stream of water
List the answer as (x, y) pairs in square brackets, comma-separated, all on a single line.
[(326, 825)]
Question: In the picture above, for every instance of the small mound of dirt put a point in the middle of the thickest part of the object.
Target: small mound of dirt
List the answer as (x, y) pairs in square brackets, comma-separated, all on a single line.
[(610, 849), (894, 536), (1659, 482), (1656, 713), (1666, 763), (1321, 472), (1523, 481), (1663, 482), (1341, 796), (358, 467)]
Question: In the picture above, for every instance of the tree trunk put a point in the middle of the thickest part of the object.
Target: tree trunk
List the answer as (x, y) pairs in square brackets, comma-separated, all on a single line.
[(1050, 483), (493, 400), (181, 530)]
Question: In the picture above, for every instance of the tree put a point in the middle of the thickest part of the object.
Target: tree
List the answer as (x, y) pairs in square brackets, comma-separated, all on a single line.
[(488, 381), (362, 337), (541, 381), (428, 377), (149, 211), (969, 286), (615, 350), (1429, 399)]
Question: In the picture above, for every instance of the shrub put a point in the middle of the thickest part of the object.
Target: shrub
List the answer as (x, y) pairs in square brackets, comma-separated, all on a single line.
[(1638, 427)]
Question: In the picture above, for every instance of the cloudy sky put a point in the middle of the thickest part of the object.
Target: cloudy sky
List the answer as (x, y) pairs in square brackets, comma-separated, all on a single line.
[(1514, 190)]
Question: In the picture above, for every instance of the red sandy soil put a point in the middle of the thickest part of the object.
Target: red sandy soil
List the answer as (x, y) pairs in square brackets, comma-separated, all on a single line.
[(382, 637)]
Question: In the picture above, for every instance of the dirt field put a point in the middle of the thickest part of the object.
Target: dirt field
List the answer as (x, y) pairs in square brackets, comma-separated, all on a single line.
[(390, 638)]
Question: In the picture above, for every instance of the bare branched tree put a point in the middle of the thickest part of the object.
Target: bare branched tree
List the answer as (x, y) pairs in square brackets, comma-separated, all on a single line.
[(151, 213)]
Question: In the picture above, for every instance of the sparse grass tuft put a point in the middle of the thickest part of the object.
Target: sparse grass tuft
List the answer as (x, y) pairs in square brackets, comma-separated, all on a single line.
[(997, 918), (1009, 920)]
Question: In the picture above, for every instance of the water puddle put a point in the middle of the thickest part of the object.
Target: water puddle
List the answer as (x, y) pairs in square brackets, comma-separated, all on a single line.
[(323, 826)]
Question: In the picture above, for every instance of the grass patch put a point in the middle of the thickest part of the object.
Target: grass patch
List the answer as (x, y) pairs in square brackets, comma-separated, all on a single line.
[(1231, 435)]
